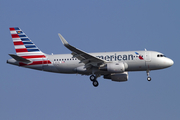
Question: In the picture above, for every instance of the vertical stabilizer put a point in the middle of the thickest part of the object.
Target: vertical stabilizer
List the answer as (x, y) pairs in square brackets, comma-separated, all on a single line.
[(24, 46)]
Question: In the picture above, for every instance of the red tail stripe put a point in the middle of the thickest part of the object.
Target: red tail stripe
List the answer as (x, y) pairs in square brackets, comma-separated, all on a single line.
[(11, 29), (34, 56), (18, 43), (21, 50), (15, 35)]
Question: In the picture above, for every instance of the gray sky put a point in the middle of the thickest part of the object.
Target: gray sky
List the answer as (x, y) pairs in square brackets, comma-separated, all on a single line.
[(94, 26)]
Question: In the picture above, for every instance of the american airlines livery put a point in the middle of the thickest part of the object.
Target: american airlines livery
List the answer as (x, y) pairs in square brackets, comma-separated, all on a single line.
[(111, 65)]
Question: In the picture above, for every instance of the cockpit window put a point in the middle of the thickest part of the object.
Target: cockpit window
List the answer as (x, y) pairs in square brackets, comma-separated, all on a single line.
[(161, 55)]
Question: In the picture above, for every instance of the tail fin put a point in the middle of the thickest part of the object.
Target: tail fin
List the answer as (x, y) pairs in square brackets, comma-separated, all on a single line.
[(24, 46)]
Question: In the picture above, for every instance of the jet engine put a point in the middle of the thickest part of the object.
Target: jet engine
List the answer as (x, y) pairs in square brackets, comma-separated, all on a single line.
[(118, 77), (114, 67)]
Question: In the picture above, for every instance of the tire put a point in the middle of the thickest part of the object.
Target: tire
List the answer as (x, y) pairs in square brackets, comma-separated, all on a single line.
[(92, 78), (149, 78), (95, 83)]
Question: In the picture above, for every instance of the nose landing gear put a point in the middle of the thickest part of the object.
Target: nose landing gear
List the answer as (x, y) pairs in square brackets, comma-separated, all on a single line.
[(148, 78)]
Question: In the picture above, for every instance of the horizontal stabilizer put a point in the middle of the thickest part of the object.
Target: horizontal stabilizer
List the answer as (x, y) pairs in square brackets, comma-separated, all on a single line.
[(20, 59)]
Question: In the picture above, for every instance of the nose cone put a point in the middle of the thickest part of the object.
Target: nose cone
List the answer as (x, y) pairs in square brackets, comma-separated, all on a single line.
[(169, 62)]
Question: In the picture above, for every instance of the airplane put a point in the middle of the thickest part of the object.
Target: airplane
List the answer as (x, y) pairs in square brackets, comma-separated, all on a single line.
[(111, 65)]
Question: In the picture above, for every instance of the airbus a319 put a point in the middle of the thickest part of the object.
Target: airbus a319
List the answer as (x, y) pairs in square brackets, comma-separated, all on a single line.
[(111, 65)]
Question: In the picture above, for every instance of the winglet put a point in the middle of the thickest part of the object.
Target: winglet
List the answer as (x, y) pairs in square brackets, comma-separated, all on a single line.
[(62, 39)]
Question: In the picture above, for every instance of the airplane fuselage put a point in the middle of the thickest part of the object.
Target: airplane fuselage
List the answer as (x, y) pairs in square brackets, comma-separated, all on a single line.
[(65, 63)]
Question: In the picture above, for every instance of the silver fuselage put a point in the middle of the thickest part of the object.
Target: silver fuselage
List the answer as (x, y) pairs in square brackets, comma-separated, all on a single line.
[(64, 63)]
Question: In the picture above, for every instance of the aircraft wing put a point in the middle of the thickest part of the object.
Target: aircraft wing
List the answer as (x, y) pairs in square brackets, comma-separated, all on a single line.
[(84, 57)]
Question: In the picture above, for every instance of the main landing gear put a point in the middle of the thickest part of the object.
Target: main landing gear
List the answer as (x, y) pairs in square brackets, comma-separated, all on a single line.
[(148, 78), (93, 78)]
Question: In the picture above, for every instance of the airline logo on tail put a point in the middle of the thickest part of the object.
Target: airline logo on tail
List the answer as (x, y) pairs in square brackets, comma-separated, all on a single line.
[(26, 49)]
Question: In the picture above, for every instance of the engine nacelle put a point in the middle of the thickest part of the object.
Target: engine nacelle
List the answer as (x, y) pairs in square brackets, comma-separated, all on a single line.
[(114, 67), (118, 77)]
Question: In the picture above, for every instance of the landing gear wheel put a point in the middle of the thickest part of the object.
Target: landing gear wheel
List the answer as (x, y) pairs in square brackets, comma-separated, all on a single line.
[(92, 78), (95, 83), (149, 78)]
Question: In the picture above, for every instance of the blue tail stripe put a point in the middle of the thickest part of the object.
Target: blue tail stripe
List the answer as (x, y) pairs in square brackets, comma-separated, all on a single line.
[(16, 28), (33, 50), (25, 39), (30, 46), (22, 35), (27, 43)]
